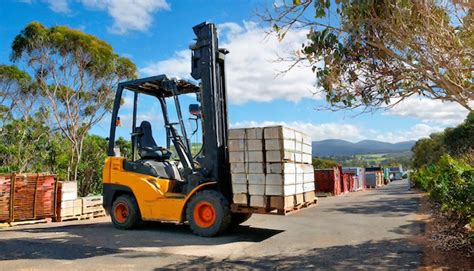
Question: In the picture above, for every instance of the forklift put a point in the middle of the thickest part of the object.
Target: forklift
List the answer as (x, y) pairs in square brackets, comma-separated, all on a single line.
[(154, 184)]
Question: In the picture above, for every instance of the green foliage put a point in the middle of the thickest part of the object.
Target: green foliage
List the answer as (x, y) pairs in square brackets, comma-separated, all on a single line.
[(451, 183), (376, 53), (320, 163), (460, 140), (90, 168), (428, 151)]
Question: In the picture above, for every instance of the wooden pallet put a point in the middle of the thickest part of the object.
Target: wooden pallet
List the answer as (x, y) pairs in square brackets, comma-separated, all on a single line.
[(92, 204), (82, 216), (26, 222), (237, 208)]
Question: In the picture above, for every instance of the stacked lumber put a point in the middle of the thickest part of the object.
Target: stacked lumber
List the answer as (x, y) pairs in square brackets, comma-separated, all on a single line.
[(271, 167), (5, 185), (27, 197)]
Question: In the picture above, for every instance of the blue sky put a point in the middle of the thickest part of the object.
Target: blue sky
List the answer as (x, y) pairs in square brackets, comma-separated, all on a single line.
[(155, 35)]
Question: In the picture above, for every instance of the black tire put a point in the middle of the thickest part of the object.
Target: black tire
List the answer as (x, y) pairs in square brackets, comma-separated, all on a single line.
[(239, 218), (121, 221), (221, 216)]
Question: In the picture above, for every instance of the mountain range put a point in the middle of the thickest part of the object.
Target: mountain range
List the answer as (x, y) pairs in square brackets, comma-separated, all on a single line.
[(338, 147)]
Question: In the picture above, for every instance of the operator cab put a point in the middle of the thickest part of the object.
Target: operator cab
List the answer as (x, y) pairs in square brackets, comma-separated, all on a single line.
[(147, 157)]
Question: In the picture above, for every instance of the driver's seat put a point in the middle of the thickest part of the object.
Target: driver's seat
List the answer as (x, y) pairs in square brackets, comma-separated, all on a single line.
[(147, 145)]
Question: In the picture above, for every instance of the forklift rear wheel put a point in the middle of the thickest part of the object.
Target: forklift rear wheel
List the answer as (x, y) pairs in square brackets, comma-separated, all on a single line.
[(239, 218), (125, 213), (208, 213)]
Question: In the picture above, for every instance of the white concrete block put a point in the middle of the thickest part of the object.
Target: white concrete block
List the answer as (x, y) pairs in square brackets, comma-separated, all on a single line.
[(280, 132), (239, 188), (254, 145), (247, 168), (299, 188), (307, 187), (280, 179), (256, 189), (306, 149), (236, 157), (258, 201), (308, 178), (240, 198), (280, 144), (254, 133), (237, 133), (256, 178), (279, 190), (279, 156), (236, 145), (281, 167), (240, 178)]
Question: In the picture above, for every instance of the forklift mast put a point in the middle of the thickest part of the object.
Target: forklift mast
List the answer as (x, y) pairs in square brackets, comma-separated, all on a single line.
[(207, 65)]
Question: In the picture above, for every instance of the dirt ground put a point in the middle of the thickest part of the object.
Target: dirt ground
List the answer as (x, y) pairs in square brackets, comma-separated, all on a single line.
[(362, 230), (434, 258)]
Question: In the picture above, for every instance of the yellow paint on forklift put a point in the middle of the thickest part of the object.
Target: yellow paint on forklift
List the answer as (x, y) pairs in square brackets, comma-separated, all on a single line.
[(155, 200)]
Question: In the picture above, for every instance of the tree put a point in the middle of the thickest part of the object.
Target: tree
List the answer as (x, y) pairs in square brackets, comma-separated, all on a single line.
[(90, 168), (320, 163), (460, 140), (76, 72), (377, 53), (428, 151)]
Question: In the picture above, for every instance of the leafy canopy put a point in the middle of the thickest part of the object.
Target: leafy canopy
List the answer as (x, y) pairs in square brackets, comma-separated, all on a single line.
[(368, 53)]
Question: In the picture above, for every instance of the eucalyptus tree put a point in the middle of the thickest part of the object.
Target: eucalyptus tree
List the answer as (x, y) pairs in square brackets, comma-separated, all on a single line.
[(76, 73), (371, 54)]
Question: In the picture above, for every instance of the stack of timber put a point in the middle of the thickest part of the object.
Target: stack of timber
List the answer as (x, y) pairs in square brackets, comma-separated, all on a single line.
[(74, 208), (271, 169), (25, 197)]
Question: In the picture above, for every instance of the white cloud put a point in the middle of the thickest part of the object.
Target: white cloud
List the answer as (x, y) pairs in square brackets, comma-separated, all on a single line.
[(430, 111), (347, 131), (60, 6), (128, 15), (253, 74)]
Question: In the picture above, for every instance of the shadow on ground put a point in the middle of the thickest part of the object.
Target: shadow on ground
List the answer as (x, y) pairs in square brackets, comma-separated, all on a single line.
[(388, 254), (83, 241)]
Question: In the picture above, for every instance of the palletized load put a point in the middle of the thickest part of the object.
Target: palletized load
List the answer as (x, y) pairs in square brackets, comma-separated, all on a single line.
[(271, 168)]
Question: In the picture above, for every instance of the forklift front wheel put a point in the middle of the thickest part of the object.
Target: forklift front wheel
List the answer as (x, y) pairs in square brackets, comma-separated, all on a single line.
[(125, 213), (208, 213)]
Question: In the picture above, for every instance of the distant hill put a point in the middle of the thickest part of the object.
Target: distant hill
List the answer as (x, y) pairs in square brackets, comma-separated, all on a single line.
[(337, 147)]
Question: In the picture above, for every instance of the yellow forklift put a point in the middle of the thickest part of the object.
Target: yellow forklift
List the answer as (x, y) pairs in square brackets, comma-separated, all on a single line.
[(153, 186)]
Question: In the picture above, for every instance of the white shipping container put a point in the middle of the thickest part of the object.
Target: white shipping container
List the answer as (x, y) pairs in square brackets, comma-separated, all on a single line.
[(256, 189), (280, 179), (279, 190), (239, 188)]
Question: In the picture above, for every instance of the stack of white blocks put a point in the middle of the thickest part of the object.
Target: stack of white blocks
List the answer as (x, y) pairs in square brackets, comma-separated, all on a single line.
[(271, 167)]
